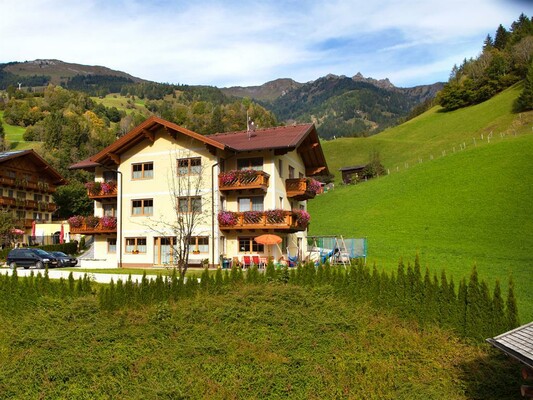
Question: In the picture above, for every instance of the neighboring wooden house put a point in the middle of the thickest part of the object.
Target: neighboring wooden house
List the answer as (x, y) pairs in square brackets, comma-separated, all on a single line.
[(518, 344), (246, 175), (27, 183), (352, 174)]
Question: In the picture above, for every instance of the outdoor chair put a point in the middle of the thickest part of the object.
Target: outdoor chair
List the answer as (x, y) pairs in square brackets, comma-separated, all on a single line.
[(246, 261)]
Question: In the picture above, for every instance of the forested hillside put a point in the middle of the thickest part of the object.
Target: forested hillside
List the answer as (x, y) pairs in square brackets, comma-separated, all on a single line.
[(503, 61)]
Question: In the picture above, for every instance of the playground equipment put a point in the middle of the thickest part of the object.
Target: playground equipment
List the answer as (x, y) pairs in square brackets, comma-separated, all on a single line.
[(335, 249)]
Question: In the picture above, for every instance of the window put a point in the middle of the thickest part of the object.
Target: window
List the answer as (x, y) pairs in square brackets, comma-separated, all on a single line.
[(37, 197), (142, 207), (280, 167), (1, 192), (21, 195), (37, 216), (10, 193), (249, 245), (300, 175), (189, 166), (143, 170), (189, 204), (11, 174), (109, 210), (199, 244), (112, 245), (164, 250), (250, 163), (135, 245), (21, 214), (291, 172), (110, 176), (254, 203)]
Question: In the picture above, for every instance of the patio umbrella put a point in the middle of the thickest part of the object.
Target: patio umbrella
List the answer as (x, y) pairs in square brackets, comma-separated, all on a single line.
[(17, 231), (62, 234), (268, 239)]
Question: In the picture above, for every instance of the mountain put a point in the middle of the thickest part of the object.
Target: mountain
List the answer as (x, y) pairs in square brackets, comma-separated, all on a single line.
[(269, 91), (59, 72), (343, 106)]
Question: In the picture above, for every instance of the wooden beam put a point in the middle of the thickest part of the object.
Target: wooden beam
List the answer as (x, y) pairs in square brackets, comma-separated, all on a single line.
[(307, 149), (526, 391), (149, 135), (114, 157), (280, 152), (314, 171)]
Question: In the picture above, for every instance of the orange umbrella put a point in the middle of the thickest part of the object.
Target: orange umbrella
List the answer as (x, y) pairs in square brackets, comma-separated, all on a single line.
[(268, 239)]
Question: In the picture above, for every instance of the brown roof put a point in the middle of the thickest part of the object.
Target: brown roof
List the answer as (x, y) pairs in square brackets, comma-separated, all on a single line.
[(281, 139), (135, 136), (40, 162)]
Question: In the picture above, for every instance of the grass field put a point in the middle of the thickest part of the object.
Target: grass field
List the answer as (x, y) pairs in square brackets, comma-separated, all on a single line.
[(254, 342), (121, 103), (471, 207), (432, 133), (14, 135)]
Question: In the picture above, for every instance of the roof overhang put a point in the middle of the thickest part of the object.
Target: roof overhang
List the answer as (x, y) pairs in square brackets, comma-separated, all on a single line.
[(41, 163)]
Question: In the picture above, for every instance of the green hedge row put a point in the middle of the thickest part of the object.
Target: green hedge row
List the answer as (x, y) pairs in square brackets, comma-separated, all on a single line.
[(471, 310)]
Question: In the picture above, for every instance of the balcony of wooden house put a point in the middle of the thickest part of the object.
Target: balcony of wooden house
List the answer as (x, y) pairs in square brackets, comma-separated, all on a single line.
[(7, 201), (272, 220), (247, 179), (23, 223), (301, 189), (102, 190), (92, 225)]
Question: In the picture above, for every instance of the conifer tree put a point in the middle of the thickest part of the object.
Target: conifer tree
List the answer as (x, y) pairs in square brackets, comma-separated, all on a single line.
[(462, 306), (524, 102), (498, 320), (512, 309)]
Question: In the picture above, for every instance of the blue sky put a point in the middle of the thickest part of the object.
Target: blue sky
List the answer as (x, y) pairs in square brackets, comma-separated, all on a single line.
[(227, 43)]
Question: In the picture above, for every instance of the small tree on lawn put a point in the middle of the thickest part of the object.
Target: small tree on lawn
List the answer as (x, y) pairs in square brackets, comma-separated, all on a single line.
[(7, 224), (186, 183)]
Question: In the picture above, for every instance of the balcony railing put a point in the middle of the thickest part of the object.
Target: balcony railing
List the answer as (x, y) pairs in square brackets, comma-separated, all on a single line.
[(300, 189), (243, 179), (92, 225), (24, 223), (263, 220), (101, 190), (33, 184)]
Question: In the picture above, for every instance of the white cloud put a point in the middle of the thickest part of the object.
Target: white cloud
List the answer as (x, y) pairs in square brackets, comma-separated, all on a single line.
[(229, 43)]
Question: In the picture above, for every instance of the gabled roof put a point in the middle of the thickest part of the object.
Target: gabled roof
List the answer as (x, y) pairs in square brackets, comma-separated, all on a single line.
[(302, 138), (42, 166), (145, 130), (517, 343), (281, 139)]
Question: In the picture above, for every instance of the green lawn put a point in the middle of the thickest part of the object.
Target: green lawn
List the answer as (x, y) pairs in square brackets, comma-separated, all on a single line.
[(121, 103), (14, 135), (471, 207)]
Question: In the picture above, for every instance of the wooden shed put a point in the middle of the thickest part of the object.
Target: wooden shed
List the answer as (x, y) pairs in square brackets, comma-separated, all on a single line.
[(352, 174)]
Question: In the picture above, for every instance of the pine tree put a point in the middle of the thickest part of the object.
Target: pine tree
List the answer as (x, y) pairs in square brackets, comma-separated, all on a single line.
[(524, 102), (498, 311), (500, 40), (474, 307), (512, 308)]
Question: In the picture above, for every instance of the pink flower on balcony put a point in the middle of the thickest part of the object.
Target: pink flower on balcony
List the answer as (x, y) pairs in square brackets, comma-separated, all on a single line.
[(314, 186), (76, 221), (228, 178), (302, 217), (109, 187), (108, 222), (227, 218)]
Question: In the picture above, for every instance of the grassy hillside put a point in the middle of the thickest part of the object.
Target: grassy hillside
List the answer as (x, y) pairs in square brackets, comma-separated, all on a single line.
[(471, 207), (255, 342), (432, 133), (14, 135), (122, 103)]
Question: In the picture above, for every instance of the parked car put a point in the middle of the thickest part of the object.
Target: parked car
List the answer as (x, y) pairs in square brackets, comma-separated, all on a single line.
[(64, 260), (28, 257)]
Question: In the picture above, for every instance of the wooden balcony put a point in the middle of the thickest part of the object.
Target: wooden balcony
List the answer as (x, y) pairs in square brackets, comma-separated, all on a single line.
[(7, 201), (23, 223), (29, 185), (298, 189), (86, 229), (243, 180), (105, 191), (286, 221)]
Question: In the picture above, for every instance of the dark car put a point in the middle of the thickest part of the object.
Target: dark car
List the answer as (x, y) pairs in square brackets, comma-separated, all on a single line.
[(64, 260), (29, 257)]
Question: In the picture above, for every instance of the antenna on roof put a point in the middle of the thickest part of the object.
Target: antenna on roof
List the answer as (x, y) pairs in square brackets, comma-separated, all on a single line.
[(250, 125)]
